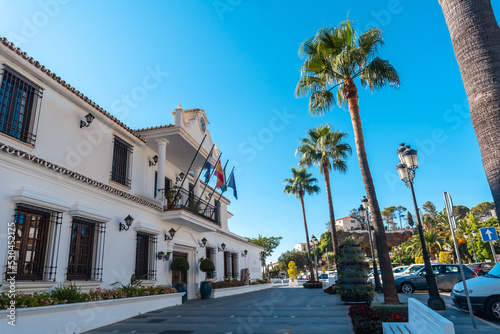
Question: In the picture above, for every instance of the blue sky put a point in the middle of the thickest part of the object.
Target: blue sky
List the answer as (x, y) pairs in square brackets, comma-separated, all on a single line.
[(237, 59)]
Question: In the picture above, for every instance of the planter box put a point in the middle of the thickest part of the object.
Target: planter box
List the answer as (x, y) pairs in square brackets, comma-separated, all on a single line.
[(80, 317), (217, 293), (293, 283)]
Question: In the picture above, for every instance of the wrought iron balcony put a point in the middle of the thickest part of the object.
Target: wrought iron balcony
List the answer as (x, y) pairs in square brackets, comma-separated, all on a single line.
[(183, 199)]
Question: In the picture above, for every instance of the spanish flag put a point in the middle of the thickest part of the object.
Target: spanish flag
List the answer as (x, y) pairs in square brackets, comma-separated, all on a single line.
[(220, 175)]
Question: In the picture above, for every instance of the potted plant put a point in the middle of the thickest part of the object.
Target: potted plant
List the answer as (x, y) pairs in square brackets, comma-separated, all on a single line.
[(180, 264), (207, 266), (173, 195), (160, 255)]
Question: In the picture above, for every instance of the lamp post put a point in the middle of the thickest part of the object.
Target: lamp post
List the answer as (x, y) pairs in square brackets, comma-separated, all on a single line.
[(467, 236), (363, 213), (315, 242), (406, 170)]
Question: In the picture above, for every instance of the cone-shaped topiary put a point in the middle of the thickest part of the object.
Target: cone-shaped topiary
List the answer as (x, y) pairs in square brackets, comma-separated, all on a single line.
[(180, 264), (207, 266)]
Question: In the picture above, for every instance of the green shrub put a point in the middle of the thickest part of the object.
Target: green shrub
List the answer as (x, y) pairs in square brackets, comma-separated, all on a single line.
[(207, 266), (313, 285), (385, 310), (180, 264), (70, 293)]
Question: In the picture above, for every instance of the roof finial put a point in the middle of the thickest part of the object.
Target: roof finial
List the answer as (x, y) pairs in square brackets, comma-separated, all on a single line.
[(179, 105)]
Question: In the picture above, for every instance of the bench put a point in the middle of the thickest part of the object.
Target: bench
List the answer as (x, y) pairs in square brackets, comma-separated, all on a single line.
[(421, 320)]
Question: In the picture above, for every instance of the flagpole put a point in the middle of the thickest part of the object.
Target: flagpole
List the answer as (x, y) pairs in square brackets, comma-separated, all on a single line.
[(211, 195), (209, 178), (225, 183), (209, 155), (185, 177)]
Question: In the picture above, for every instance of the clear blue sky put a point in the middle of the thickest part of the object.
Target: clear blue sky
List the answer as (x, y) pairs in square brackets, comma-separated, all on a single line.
[(238, 61)]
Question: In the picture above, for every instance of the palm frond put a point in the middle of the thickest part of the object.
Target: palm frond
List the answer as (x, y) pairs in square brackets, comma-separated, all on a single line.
[(321, 101), (379, 73)]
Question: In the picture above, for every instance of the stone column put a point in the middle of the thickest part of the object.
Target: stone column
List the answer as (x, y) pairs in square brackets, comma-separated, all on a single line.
[(162, 156)]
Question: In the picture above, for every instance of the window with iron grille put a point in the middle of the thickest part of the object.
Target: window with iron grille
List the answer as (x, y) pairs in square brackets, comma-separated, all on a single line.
[(86, 249), (210, 254), (37, 232), (122, 154), (145, 256), (19, 99), (234, 265)]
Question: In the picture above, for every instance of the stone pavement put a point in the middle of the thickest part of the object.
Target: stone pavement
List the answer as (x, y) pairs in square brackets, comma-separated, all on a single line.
[(277, 310)]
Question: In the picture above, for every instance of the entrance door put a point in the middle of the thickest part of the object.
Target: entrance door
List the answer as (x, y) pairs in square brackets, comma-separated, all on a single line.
[(179, 276)]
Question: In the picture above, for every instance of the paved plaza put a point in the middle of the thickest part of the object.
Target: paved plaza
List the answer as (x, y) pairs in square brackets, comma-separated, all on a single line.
[(278, 310)]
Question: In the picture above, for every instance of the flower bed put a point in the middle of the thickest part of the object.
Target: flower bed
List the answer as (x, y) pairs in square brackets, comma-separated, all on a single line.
[(365, 320), (226, 284), (45, 299)]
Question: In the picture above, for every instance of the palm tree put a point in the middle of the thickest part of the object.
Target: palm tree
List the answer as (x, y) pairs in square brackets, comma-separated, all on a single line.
[(321, 145), (299, 184), (334, 58), (434, 240), (475, 36)]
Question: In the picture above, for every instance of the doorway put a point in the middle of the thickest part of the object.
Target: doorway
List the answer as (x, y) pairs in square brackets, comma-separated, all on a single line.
[(179, 276)]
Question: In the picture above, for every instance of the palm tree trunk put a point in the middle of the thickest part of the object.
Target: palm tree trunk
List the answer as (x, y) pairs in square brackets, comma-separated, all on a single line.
[(475, 36), (335, 241), (390, 292), (307, 238)]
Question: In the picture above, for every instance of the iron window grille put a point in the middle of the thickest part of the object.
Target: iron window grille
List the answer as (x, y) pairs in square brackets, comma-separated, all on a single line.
[(122, 154), (86, 250), (234, 265), (37, 233), (19, 99), (145, 258), (211, 254)]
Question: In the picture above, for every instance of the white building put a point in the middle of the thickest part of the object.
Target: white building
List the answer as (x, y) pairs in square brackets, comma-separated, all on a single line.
[(68, 186), (300, 247), (347, 224)]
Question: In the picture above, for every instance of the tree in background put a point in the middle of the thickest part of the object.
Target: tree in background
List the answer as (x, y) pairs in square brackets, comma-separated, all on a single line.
[(292, 270), (268, 243), (334, 58), (327, 150), (475, 36), (483, 209), (460, 212), (388, 215), (429, 209), (354, 213), (400, 214), (300, 184), (299, 258), (409, 219)]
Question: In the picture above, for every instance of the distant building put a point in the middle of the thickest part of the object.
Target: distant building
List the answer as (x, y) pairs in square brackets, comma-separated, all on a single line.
[(347, 224), (300, 247)]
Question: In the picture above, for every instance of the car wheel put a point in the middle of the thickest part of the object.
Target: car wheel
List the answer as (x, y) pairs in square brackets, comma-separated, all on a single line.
[(407, 288), (493, 309)]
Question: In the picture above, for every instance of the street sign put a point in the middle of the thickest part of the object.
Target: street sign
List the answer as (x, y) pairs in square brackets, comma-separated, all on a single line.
[(488, 233)]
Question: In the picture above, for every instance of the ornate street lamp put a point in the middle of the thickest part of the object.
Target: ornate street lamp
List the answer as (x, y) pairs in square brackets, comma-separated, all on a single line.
[(406, 170), (363, 213)]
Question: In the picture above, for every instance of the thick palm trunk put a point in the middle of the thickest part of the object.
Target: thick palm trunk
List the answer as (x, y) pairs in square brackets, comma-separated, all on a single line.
[(307, 238), (390, 292), (335, 241), (475, 36)]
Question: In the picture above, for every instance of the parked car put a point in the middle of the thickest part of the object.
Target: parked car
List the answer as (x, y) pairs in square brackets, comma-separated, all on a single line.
[(481, 268), (371, 277), (447, 275), (323, 276), (399, 269), (484, 293), (411, 269)]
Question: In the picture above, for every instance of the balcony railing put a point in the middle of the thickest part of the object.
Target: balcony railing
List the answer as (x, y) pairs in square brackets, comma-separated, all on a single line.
[(183, 199)]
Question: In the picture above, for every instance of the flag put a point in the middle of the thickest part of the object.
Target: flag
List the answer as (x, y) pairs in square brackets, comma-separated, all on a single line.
[(219, 173), (208, 167), (231, 183), (223, 188)]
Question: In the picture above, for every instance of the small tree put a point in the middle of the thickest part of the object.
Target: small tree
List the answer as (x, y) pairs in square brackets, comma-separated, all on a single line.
[(207, 266), (292, 270), (180, 264)]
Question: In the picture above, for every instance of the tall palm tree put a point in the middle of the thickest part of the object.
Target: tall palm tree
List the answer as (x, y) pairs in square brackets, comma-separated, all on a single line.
[(434, 240), (475, 36), (299, 184), (334, 58), (321, 145)]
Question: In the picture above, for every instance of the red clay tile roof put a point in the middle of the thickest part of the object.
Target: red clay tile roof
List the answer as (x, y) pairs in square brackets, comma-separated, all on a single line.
[(155, 127), (49, 73)]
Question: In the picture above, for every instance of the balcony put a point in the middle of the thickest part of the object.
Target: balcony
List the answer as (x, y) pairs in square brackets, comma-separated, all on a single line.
[(187, 209)]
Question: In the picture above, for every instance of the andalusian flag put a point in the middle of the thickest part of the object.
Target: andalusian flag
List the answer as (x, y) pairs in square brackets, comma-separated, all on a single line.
[(219, 173)]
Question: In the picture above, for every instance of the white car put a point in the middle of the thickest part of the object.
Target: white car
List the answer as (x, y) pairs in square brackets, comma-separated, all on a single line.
[(484, 293), (411, 269)]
